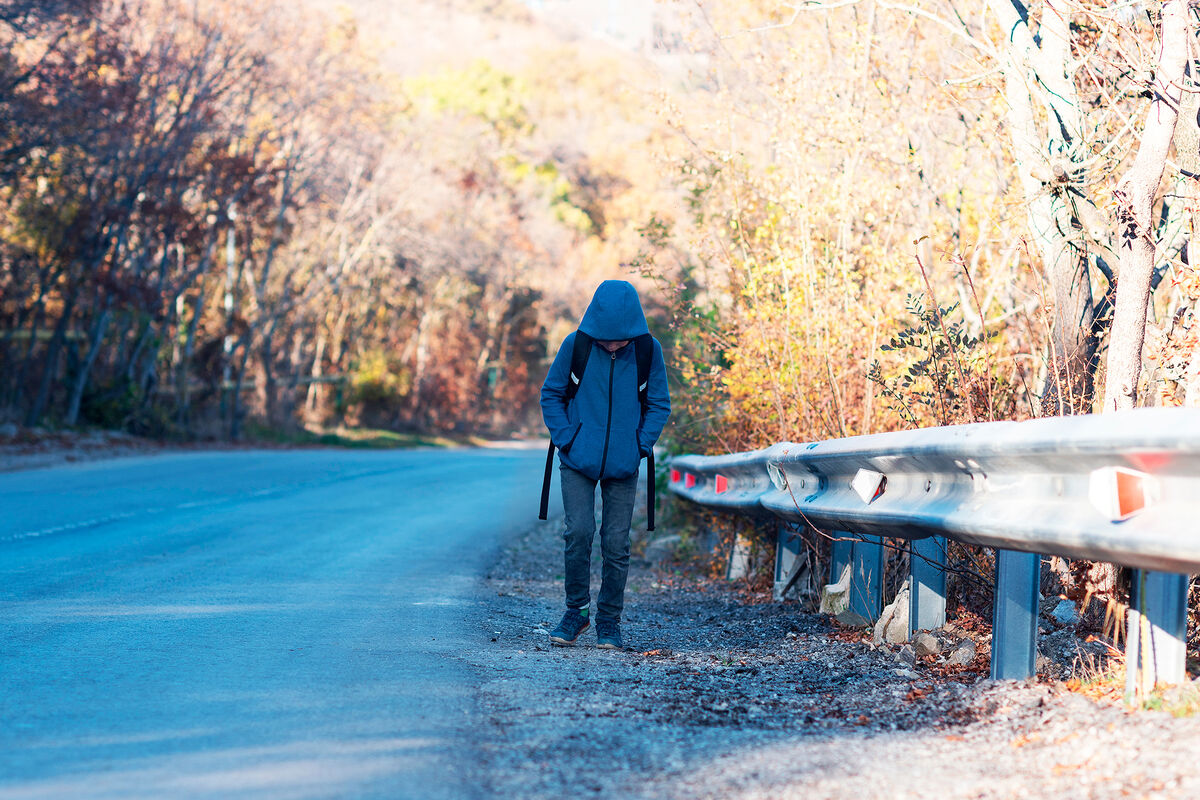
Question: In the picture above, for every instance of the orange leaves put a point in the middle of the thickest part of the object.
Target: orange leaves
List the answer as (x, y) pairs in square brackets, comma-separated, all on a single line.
[(1187, 280), (916, 693)]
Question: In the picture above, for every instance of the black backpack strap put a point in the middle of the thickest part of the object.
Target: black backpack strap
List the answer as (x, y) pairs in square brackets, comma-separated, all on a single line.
[(580, 350), (650, 491), (579, 359), (644, 349), (544, 508)]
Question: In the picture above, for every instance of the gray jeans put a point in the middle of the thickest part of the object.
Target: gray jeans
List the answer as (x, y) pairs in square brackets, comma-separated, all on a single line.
[(579, 502)]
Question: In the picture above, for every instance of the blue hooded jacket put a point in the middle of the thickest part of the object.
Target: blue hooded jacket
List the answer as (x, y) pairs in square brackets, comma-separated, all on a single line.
[(602, 432)]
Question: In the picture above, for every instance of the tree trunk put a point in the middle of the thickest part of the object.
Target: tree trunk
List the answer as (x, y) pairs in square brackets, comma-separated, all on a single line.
[(310, 405), (183, 375), (1043, 156), (81, 381), (422, 357), (1074, 348), (17, 386), (50, 370), (267, 389), (1135, 204)]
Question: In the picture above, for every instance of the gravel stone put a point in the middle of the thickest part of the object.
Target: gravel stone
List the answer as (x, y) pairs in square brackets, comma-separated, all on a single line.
[(1066, 613)]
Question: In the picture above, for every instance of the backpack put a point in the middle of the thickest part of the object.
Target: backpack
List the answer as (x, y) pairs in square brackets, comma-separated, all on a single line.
[(644, 351)]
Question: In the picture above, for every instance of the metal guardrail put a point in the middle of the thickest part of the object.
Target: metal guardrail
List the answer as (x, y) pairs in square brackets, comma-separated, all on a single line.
[(1122, 487)]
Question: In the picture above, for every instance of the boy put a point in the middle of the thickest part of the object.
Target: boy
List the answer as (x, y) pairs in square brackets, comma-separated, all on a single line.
[(602, 433)]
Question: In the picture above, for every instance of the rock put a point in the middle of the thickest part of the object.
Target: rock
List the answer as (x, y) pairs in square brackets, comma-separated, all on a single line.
[(8, 431), (835, 597), (897, 628), (905, 672), (963, 654), (661, 549), (879, 633), (892, 625), (1065, 613), (852, 619), (926, 644), (907, 655)]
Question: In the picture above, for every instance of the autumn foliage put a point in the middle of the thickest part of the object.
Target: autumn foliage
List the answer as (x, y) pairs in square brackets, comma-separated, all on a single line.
[(845, 218)]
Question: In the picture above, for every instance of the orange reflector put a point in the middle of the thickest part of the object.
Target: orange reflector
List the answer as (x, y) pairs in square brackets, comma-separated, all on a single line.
[(675, 476), (722, 484), (1119, 493), (689, 480)]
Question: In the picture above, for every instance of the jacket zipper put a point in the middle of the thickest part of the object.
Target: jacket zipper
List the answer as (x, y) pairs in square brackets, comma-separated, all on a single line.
[(608, 425)]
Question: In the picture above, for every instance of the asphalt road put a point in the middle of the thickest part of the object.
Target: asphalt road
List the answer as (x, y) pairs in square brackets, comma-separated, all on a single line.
[(249, 624)]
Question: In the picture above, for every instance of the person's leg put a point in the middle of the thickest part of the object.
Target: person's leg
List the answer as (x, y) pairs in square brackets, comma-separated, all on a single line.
[(579, 505), (616, 517)]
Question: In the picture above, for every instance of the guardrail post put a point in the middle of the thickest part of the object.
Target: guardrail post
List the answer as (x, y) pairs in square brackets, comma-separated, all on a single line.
[(866, 577), (1014, 615), (927, 599), (1162, 598)]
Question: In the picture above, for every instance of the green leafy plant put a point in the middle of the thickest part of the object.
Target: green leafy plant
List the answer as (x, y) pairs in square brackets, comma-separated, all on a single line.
[(945, 374)]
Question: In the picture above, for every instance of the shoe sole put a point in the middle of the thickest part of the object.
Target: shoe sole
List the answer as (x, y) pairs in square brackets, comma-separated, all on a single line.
[(558, 641), (607, 646)]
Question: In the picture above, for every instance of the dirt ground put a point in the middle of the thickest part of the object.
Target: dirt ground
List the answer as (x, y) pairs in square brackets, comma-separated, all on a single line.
[(37, 449), (716, 697)]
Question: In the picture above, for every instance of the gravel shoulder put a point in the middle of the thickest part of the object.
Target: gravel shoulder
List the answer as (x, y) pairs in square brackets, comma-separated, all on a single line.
[(715, 697)]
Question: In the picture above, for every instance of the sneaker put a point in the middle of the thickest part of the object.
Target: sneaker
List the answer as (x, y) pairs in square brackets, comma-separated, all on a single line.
[(574, 622), (608, 634)]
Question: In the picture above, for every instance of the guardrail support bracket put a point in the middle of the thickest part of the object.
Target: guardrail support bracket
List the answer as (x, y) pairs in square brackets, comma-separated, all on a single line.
[(839, 557), (927, 600), (788, 560), (1014, 615)]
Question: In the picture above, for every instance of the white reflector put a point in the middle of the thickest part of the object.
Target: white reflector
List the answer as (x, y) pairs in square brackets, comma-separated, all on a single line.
[(868, 484)]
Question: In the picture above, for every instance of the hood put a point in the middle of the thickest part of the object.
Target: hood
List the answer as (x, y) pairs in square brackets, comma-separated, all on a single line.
[(615, 313)]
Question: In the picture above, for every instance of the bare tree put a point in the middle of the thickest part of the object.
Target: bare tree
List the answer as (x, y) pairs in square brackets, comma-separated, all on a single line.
[(1136, 196)]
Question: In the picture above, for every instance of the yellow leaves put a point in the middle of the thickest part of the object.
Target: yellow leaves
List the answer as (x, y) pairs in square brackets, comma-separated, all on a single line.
[(492, 95)]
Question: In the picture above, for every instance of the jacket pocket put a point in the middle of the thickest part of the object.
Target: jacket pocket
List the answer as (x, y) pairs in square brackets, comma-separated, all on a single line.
[(567, 447), (623, 455), (586, 451)]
